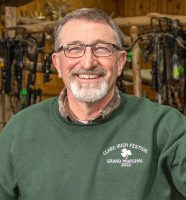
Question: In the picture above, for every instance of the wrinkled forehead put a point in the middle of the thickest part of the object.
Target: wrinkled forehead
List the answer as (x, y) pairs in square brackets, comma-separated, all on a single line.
[(86, 31)]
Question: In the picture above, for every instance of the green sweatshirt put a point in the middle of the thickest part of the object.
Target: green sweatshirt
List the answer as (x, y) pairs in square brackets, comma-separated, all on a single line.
[(138, 153)]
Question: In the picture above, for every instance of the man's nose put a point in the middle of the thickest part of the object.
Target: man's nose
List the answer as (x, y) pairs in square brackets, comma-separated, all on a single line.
[(88, 60)]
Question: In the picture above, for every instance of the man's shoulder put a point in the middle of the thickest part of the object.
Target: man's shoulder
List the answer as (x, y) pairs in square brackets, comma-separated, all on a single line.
[(34, 112), (146, 106), (134, 101), (38, 107), (34, 116)]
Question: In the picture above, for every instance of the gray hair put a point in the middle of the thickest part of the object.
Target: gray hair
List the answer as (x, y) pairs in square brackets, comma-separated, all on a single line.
[(89, 14)]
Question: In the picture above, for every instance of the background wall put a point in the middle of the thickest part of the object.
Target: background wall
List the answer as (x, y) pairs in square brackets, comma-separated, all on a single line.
[(123, 8), (109, 6), (142, 7)]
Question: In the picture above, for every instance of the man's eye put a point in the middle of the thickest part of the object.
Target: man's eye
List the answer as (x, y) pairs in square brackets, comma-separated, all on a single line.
[(74, 49), (102, 49)]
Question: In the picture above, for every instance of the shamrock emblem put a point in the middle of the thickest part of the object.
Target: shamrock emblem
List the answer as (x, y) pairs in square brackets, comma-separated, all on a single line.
[(125, 153)]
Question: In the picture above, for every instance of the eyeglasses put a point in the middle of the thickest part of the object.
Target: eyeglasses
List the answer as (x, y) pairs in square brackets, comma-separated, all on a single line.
[(98, 49)]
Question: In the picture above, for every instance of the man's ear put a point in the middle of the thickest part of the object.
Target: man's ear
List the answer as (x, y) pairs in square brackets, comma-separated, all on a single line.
[(57, 64), (121, 62)]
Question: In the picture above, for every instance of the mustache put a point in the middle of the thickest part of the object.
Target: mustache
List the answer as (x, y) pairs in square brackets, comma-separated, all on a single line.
[(93, 71)]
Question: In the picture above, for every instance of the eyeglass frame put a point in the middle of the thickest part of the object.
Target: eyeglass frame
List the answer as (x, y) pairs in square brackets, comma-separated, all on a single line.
[(63, 48)]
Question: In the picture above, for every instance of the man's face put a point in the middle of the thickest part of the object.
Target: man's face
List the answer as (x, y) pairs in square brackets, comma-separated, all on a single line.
[(88, 78)]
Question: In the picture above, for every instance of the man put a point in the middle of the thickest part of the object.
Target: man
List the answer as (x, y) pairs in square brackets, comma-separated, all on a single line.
[(93, 142)]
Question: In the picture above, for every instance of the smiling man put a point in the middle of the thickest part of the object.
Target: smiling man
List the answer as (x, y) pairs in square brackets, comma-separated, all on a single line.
[(89, 58), (93, 142)]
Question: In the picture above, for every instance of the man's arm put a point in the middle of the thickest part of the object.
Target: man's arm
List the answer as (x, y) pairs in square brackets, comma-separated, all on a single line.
[(173, 144), (178, 165), (8, 186)]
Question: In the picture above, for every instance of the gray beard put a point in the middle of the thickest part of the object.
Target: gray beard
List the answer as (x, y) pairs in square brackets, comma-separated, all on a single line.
[(89, 93)]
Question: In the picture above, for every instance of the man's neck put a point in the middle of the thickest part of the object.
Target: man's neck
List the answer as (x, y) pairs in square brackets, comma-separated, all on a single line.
[(87, 111)]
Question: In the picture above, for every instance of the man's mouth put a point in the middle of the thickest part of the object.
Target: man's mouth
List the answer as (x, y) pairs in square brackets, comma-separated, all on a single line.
[(88, 76), (92, 74)]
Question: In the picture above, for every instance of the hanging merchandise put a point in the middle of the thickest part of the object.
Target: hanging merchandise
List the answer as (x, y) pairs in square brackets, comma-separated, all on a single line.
[(15, 84), (33, 93), (165, 48)]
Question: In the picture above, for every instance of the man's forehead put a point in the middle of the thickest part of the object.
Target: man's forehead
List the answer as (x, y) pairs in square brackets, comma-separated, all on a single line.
[(84, 29), (86, 21)]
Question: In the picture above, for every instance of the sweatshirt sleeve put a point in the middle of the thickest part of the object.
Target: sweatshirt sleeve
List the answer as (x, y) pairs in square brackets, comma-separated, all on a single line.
[(174, 150), (8, 186), (178, 165)]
